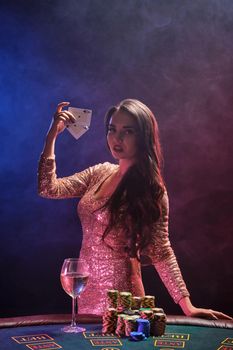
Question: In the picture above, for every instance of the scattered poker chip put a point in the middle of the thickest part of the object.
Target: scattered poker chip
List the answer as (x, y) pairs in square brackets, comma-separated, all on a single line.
[(137, 336)]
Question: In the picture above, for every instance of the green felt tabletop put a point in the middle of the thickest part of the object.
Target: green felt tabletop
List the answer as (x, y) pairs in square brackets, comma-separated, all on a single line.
[(52, 337)]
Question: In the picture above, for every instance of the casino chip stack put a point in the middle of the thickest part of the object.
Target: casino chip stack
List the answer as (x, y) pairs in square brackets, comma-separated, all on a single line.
[(112, 296), (159, 324), (147, 314), (124, 301), (109, 321), (120, 329), (148, 301), (130, 324), (136, 303), (134, 317)]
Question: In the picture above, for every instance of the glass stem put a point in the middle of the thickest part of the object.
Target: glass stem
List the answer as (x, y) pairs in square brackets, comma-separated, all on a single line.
[(74, 307)]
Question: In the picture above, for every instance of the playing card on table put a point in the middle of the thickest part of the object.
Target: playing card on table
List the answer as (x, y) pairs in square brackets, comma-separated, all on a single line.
[(82, 123)]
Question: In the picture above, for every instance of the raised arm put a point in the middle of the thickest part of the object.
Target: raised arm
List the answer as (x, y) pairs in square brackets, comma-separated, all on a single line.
[(57, 126), (49, 185)]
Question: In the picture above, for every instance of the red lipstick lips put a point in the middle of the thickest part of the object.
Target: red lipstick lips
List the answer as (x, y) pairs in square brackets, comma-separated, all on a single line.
[(117, 148)]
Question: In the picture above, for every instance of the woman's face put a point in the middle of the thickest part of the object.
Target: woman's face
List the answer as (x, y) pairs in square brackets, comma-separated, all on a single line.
[(122, 136)]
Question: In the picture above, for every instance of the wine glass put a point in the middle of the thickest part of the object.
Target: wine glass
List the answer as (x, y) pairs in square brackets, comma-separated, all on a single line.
[(74, 277)]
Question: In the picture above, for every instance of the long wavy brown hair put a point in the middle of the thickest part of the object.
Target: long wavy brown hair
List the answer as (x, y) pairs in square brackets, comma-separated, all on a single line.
[(135, 205)]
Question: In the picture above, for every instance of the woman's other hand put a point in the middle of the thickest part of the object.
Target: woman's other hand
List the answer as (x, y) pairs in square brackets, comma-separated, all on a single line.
[(209, 314), (192, 311)]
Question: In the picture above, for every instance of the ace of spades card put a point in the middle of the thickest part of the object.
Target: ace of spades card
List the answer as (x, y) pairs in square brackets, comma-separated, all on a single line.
[(82, 121)]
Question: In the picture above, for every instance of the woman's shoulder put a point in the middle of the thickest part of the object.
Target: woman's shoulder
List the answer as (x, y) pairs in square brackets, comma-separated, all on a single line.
[(165, 201), (104, 167), (101, 170)]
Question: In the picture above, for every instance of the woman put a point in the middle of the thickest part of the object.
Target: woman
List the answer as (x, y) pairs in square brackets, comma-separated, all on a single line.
[(123, 208)]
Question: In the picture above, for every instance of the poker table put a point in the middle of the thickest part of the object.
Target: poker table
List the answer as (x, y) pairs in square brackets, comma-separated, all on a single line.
[(44, 332)]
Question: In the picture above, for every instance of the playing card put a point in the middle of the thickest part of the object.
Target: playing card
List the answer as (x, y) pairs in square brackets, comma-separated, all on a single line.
[(82, 123)]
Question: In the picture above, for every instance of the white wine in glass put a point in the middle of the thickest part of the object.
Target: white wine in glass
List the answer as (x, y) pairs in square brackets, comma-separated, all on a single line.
[(74, 277)]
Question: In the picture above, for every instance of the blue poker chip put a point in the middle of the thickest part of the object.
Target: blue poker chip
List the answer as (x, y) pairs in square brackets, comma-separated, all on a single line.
[(137, 336), (143, 326)]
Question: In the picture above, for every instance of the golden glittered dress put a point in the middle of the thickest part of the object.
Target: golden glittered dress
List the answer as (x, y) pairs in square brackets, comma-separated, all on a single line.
[(109, 263)]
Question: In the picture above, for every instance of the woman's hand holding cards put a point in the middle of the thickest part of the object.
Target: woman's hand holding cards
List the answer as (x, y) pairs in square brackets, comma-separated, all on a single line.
[(60, 120)]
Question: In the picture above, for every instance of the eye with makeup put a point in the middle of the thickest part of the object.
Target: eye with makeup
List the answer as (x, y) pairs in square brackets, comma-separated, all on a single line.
[(127, 131), (130, 131), (111, 129)]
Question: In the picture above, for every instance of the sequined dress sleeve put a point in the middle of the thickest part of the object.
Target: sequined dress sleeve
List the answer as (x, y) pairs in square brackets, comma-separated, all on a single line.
[(160, 253), (50, 186)]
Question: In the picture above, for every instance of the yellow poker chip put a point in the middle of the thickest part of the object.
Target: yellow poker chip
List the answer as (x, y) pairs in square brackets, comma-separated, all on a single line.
[(112, 297), (148, 301), (136, 302)]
